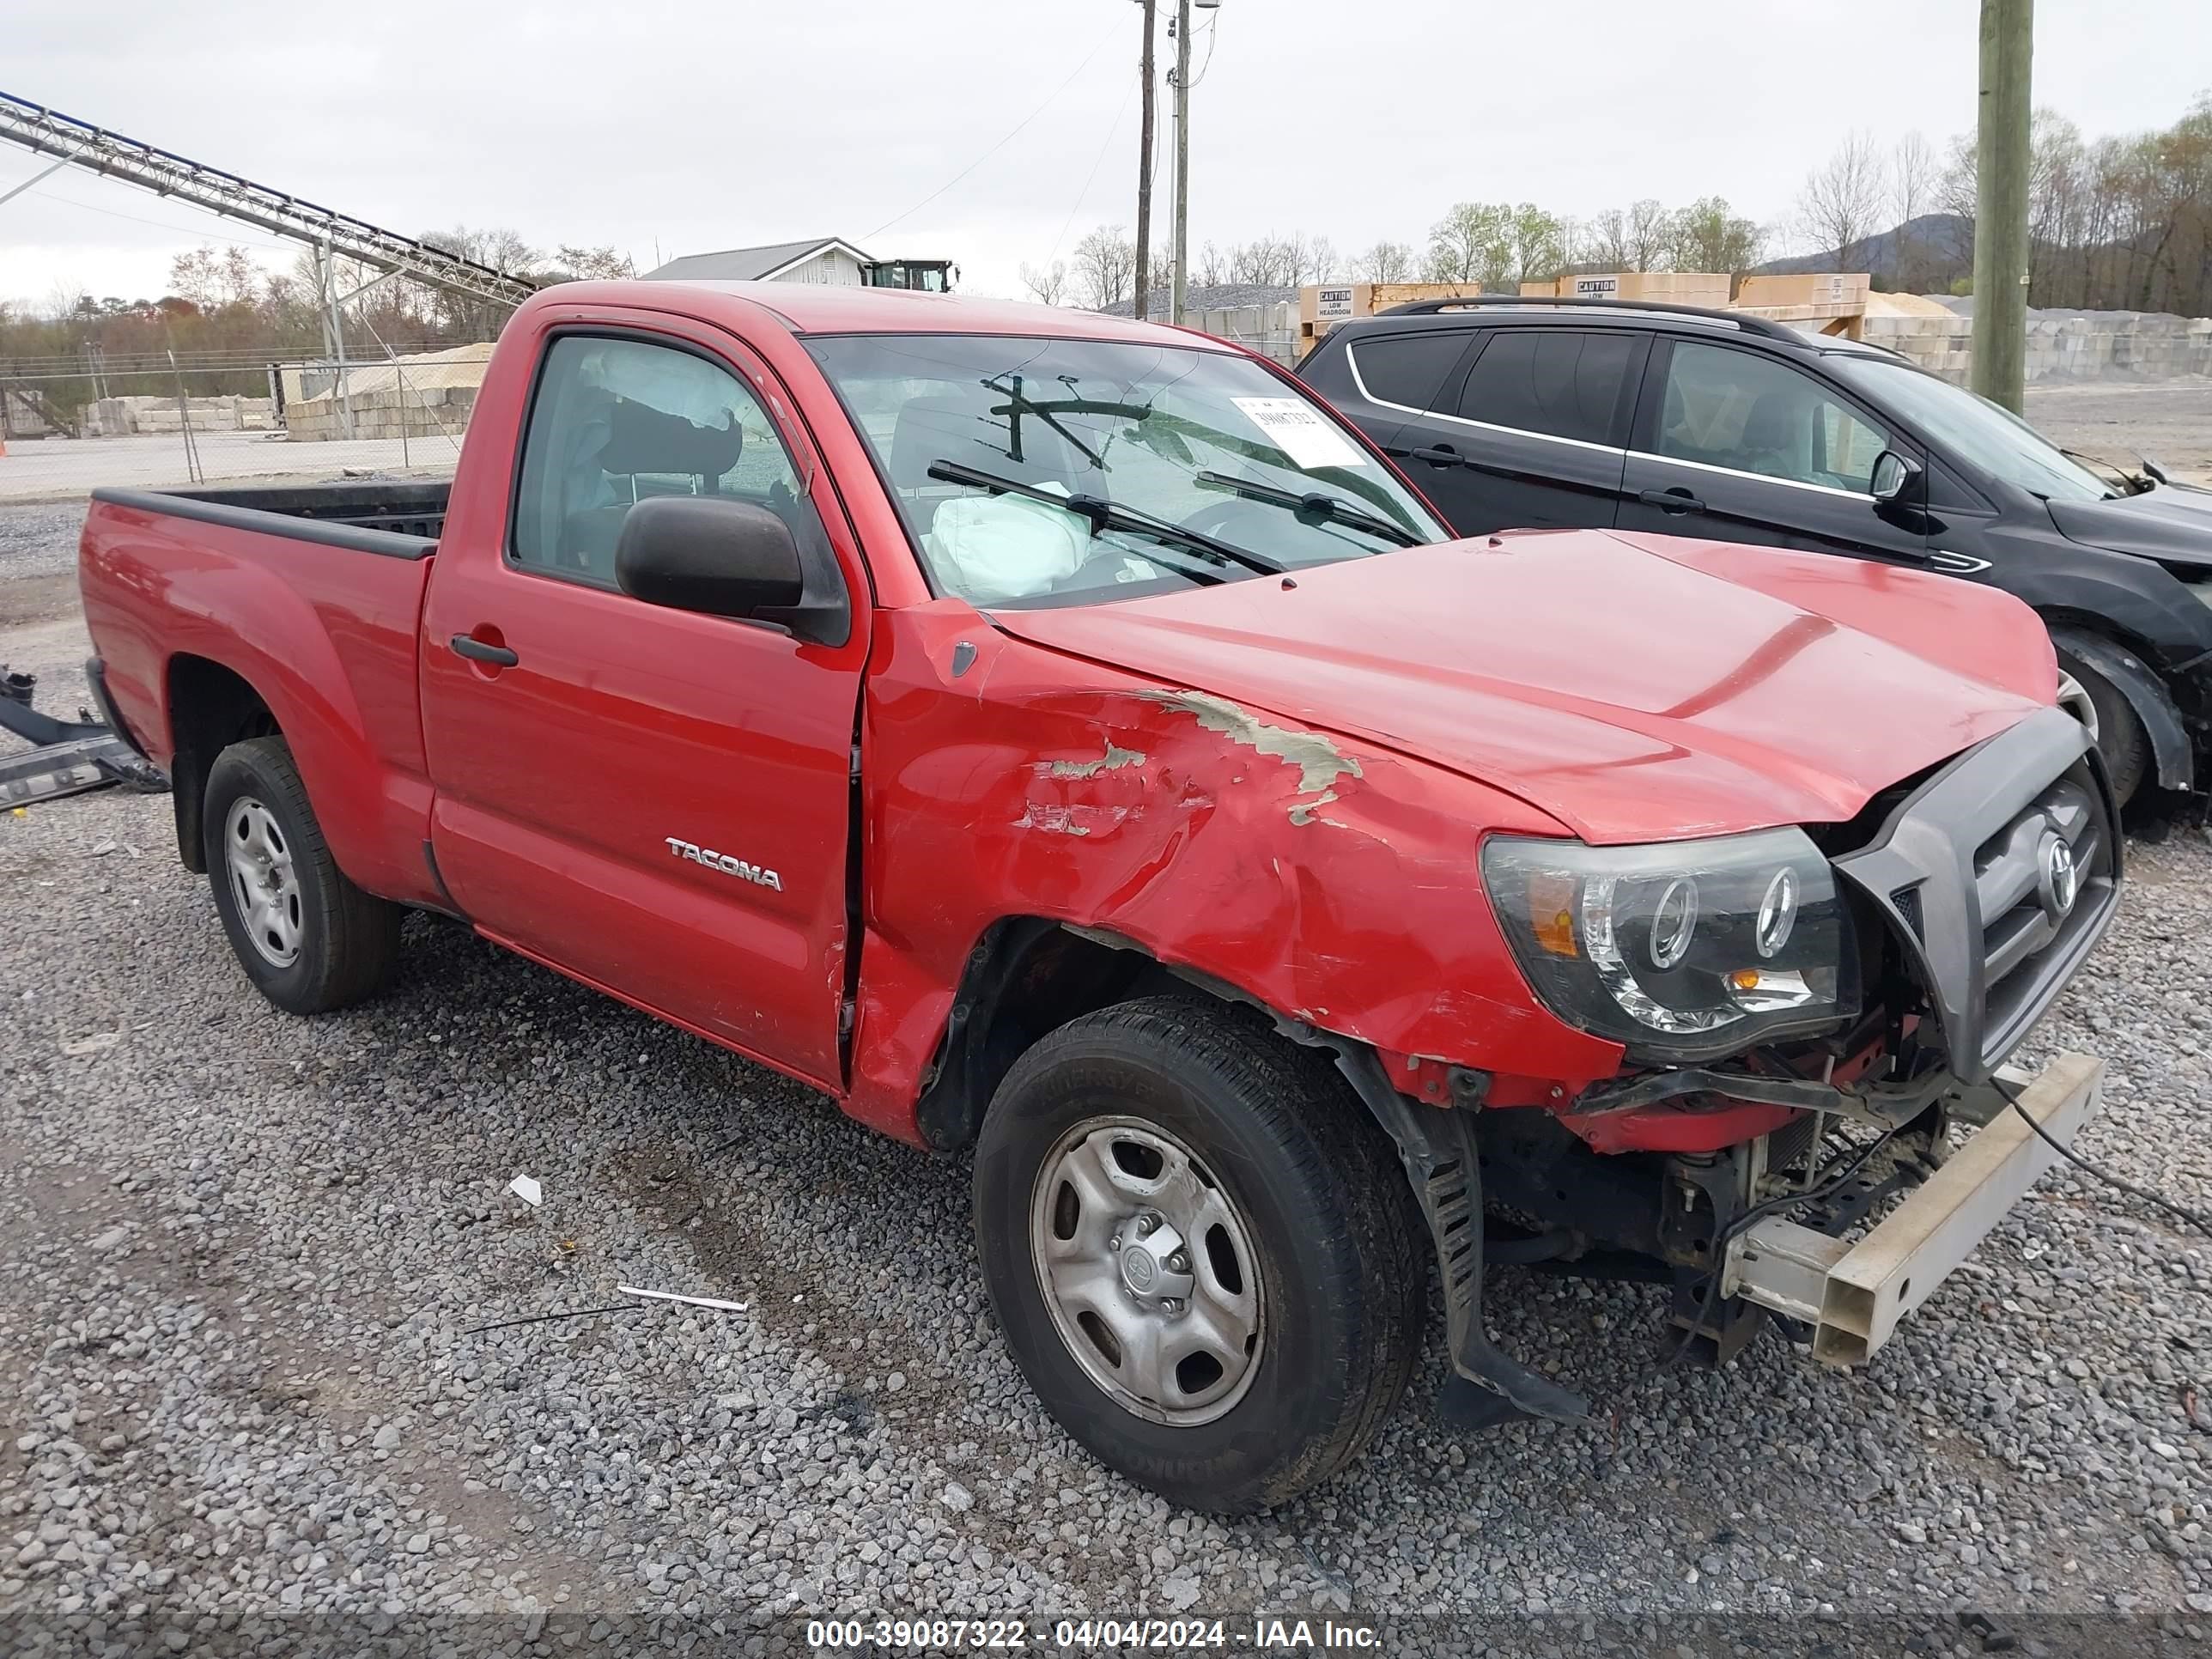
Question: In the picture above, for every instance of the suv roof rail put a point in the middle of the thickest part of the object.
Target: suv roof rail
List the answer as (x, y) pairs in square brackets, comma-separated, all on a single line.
[(1749, 325)]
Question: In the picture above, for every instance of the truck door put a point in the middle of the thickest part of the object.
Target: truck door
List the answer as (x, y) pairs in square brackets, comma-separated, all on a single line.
[(1530, 437), (1736, 446), (655, 800)]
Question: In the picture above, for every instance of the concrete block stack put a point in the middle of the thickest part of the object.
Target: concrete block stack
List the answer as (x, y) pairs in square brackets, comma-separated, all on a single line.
[(386, 411), (2062, 345), (116, 417)]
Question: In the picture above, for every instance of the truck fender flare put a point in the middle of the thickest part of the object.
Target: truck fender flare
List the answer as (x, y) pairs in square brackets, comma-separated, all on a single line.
[(1438, 1148), (2152, 704)]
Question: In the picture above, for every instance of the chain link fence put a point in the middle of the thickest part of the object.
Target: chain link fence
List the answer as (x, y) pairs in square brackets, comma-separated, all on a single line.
[(71, 425), (68, 428)]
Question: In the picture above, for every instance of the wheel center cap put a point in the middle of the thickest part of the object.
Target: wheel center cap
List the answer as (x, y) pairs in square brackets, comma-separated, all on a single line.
[(1139, 1272)]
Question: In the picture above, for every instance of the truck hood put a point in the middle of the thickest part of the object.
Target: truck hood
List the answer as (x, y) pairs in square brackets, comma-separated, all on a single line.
[(2171, 524), (1636, 688)]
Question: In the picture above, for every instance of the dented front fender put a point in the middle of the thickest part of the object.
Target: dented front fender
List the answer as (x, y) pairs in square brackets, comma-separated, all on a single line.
[(1333, 881)]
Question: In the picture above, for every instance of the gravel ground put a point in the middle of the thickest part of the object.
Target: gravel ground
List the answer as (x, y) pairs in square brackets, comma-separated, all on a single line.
[(243, 1258), (2170, 421)]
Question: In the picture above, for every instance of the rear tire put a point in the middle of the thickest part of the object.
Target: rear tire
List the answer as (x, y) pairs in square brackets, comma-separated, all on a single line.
[(2120, 737), (1301, 1260), (308, 938)]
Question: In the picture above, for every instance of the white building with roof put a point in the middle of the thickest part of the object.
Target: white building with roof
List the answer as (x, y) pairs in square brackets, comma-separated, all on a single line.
[(830, 260)]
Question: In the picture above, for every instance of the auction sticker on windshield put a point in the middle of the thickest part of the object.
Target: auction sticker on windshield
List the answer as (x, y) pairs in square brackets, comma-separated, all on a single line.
[(1300, 431)]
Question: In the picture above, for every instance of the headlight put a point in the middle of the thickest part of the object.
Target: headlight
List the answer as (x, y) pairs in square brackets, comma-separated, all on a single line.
[(1684, 951)]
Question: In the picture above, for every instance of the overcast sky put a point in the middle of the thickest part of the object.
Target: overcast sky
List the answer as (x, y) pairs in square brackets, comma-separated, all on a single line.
[(667, 128)]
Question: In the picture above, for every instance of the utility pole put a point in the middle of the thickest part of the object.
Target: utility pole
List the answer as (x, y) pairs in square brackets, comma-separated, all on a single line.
[(1183, 163), (2001, 184), (1142, 309)]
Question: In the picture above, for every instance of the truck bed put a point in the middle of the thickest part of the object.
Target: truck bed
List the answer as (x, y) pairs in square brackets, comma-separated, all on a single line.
[(309, 595), (413, 509)]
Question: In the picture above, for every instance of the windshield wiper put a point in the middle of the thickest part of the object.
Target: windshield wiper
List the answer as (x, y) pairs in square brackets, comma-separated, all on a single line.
[(2134, 485), (1315, 507), (1110, 515)]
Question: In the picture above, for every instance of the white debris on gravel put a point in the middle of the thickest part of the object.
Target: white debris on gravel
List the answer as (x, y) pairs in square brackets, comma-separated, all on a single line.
[(239, 1252)]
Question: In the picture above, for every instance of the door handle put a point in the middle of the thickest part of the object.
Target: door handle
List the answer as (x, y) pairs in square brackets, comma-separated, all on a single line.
[(476, 651), (1441, 455), (1676, 500)]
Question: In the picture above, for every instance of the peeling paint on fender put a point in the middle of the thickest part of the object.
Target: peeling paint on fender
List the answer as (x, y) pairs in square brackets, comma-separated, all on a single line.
[(1318, 761), (1112, 761), (1332, 879)]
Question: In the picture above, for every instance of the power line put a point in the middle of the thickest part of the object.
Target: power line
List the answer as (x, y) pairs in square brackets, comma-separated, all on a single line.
[(51, 133), (180, 230), (1097, 161), (1212, 28), (1053, 99)]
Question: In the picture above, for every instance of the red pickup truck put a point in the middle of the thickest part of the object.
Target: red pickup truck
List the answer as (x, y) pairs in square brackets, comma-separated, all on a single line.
[(1066, 737)]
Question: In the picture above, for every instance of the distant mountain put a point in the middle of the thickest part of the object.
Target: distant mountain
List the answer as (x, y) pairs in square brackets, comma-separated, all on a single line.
[(1926, 252)]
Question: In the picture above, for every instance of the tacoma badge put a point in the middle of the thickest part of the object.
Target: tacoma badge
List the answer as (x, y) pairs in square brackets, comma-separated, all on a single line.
[(724, 863)]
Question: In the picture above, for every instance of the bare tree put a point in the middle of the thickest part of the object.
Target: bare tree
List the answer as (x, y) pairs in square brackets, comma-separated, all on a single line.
[(1842, 201), (1105, 267), (1914, 178), (64, 296), (1210, 267), (1650, 227), (1385, 262), (1954, 191), (587, 264), (459, 315), (1048, 282), (1266, 261), (1608, 248), (1313, 259)]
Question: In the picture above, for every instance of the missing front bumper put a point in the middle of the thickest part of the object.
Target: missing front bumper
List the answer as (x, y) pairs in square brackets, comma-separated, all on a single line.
[(1854, 1294)]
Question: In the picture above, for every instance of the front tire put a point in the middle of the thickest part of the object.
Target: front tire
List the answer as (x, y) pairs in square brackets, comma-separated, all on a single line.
[(308, 938), (2120, 736), (1199, 1246)]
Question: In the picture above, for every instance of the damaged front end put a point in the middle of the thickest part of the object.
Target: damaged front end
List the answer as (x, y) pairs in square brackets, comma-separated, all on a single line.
[(1819, 1177)]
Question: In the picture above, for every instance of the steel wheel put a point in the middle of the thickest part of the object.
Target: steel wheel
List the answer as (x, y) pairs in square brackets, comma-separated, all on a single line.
[(1148, 1271), (263, 881)]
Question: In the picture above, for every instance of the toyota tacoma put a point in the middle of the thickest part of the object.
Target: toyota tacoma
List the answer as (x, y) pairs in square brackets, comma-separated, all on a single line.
[(1067, 738)]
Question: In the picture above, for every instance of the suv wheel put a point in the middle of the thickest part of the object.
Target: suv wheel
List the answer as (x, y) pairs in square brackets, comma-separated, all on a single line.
[(2120, 737), (308, 938), (1199, 1245)]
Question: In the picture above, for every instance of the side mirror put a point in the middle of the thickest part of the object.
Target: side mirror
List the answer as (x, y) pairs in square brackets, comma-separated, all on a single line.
[(1895, 478), (708, 554), (2153, 471)]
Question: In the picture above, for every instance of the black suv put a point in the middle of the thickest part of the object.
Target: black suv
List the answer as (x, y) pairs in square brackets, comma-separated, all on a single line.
[(1514, 414)]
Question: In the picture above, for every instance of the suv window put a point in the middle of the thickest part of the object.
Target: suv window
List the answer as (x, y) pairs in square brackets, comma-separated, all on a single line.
[(1551, 380), (1407, 369), (1750, 414), (616, 421)]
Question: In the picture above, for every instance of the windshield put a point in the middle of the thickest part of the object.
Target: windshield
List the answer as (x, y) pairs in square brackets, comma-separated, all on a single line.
[(1179, 467), (1993, 439)]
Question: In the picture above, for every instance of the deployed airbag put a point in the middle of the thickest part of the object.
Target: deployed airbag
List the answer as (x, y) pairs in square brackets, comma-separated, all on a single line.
[(990, 548)]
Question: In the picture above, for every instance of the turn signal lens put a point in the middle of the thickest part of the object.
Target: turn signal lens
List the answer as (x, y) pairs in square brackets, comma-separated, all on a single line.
[(1552, 914), (1744, 979)]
